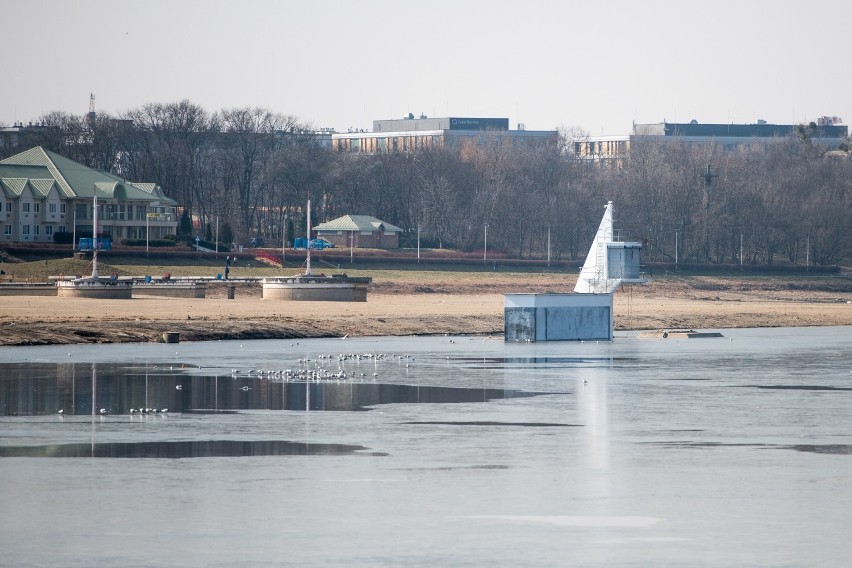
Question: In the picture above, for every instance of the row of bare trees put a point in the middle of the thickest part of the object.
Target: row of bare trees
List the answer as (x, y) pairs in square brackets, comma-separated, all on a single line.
[(253, 169)]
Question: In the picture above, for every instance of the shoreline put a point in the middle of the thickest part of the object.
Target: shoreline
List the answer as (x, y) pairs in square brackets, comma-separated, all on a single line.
[(34, 320)]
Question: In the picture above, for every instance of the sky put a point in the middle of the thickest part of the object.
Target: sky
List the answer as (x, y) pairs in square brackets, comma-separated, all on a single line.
[(594, 66)]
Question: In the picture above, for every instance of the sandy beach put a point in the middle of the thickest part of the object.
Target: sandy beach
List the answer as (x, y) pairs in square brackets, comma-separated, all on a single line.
[(454, 307)]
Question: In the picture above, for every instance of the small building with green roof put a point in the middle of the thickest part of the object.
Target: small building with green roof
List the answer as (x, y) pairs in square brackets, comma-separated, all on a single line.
[(359, 231), (43, 193)]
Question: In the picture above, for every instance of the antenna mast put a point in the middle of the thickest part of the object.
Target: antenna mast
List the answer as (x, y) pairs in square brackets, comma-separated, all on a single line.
[(91, 115)]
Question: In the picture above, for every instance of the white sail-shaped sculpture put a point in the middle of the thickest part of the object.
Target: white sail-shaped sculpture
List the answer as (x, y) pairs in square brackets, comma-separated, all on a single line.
[(593, 277)]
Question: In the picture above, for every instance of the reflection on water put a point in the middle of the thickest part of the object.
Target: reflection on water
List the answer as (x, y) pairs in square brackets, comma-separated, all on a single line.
[(195, 449), (103, 389)]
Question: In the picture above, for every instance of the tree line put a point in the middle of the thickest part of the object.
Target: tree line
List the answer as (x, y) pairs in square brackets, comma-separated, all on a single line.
[(252, 170)]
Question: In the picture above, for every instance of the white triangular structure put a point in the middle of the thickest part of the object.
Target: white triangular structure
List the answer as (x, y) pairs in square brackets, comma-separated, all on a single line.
[(593, 276), (610, 263)]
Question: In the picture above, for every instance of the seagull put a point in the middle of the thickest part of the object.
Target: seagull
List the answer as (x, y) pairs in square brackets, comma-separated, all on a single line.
[(103, 411), (179, 387), (60, 411)]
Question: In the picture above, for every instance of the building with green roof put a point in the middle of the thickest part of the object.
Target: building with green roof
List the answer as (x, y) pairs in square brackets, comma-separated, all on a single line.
[(43, 193), (359, 231)]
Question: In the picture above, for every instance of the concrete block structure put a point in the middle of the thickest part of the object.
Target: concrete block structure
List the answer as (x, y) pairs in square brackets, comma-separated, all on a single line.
[(558, 317)]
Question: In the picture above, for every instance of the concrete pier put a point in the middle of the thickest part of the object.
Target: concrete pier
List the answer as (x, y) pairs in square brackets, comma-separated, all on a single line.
[(102, 289), (335, 288)]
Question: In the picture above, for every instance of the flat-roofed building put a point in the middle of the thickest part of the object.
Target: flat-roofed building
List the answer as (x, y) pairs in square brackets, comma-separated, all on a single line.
[(730, 136), (411, 134), (827, 131)]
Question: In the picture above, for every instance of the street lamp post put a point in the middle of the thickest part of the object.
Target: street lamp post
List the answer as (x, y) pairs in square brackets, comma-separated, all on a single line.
[(676, 243), (284, 242), (548, 246), (148, 223), (485, 248), (418, 243)]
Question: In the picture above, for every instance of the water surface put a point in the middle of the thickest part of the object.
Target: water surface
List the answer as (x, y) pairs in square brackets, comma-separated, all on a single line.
[(432, 451)]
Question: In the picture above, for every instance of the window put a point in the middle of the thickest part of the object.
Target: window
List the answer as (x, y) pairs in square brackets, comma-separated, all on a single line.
[(7, 230), (36, 207), (8, 207), (25, 207), (62, 208), (51, 207), (25, 229), (48, 230), (61, 229), (36, 229)]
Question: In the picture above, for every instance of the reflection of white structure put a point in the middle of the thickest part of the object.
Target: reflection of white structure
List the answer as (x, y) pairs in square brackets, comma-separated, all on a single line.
[(587, 313), (609, 263)]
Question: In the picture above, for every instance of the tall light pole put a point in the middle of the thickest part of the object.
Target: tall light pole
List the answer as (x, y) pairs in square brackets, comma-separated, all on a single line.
[(148, 215), (74, 231), (548, 246), (676, 243), (308, 223), (808, 252), (418, 243), (284, 242), (485, 248)]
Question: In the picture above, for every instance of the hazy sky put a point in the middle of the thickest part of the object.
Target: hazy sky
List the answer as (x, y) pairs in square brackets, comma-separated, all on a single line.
[(598, 65)]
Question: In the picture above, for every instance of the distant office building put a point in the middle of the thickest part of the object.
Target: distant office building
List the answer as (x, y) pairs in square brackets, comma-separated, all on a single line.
[(602, 149), (411, 134), (827, 131), (730, 136), (17, 135)]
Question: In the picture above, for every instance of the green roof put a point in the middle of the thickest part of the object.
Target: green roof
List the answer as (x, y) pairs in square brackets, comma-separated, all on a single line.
[(357, 223), (43, 168)]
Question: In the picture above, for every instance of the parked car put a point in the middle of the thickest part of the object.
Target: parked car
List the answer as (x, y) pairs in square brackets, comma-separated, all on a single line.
[(256, 242), (321, 244)]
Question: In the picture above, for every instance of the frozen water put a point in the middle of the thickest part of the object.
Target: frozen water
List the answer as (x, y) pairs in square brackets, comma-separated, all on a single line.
[(446, 451)]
